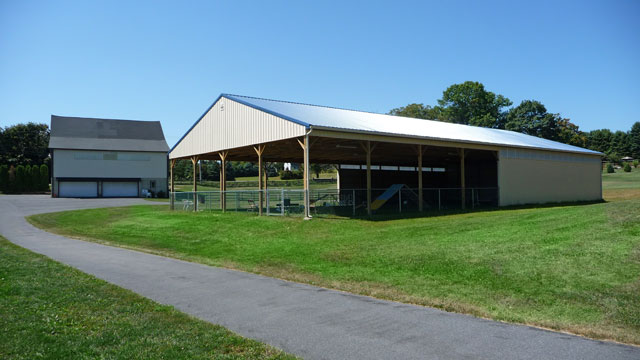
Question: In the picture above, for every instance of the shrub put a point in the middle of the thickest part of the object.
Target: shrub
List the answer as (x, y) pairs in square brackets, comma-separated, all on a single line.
[(44, 177), (636, 163), (35, 178), (19, 183), (11, 185), (610, 169), (4, 178), (627, 167), (291, 175), (28, 180)]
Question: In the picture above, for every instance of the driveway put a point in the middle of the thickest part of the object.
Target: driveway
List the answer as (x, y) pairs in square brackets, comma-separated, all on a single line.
[(308, 321)]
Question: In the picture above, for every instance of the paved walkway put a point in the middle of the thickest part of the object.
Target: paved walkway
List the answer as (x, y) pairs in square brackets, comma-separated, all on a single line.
[(308, 321)]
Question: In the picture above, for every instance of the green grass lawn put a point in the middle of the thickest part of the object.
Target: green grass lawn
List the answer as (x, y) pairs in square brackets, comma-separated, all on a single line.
[(51, 311), (574, 267)]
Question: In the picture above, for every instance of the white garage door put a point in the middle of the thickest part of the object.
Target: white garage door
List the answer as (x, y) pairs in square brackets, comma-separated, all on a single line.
[(78, 189), (120, 189)]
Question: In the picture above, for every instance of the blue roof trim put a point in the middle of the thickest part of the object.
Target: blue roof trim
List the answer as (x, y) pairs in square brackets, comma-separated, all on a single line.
[(196, 123), (247, 103)]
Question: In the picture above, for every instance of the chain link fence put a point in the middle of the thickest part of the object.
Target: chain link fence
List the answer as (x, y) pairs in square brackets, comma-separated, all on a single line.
[(338, 202)]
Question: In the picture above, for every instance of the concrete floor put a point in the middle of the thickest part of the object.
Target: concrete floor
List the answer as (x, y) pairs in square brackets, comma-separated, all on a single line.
[(304, 320)]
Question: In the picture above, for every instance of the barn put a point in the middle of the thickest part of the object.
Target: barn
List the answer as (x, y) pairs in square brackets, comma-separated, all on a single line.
[(107, 158), (438, 162)]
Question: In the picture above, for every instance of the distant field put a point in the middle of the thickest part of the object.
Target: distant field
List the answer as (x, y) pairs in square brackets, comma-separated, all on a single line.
[(621, 185), (568, 267), (51, 311)]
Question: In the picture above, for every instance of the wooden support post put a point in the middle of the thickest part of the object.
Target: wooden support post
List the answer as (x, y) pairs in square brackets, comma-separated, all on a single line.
[(259, 150), (462, 183), (366, 146), (305, 144), (223, 180), (194, 161), (172, 164), (420, 195)]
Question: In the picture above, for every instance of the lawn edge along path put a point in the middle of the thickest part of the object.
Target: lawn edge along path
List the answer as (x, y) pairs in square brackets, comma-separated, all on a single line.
[(51, 310)]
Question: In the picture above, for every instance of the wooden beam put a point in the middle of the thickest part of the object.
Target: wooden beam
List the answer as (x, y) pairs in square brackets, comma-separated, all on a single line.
[(368, 152), (259, 149), (462, 182), (420, 197), (172, 164), (223, 179), (194, 161), (306, 164)]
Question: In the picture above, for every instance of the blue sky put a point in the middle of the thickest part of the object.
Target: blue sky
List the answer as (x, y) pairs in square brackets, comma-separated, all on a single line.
[(168, 61)]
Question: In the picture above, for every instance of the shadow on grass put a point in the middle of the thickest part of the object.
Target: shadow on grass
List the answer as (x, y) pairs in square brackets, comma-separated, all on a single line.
[(389, 216), (413, 214)]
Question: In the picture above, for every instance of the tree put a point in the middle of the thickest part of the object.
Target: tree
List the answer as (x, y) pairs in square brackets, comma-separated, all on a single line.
[(44, 177), (35, 178), (24, 144), (4, 178), (419, 111), (532, 118), (600, 140), (634, 139), (28, 180), (469, 103), (19, 182), (627, 167)]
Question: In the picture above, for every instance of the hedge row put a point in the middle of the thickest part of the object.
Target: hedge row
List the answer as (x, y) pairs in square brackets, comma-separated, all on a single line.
[(21, 178), (254, 184)]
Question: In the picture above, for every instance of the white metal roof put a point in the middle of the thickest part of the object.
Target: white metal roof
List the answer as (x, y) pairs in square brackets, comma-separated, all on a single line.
[(314, 116)]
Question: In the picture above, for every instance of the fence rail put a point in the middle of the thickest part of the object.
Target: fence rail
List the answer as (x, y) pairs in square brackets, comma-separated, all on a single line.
[(342, 202)]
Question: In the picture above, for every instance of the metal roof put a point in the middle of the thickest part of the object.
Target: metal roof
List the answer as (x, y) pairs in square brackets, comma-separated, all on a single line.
[(323, 117), (106, 134)]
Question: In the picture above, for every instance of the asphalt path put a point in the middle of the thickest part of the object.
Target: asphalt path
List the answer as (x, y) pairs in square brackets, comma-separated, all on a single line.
[(304, 320)]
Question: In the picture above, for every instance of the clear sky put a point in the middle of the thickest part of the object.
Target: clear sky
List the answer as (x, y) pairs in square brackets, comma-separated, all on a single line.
[(168, 61)]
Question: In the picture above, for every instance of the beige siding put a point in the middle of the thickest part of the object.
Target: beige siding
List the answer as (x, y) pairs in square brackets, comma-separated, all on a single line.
[(229, 124), (536, 177)]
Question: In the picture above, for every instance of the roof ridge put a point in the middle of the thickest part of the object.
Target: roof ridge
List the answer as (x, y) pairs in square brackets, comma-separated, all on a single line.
[(305, 104)]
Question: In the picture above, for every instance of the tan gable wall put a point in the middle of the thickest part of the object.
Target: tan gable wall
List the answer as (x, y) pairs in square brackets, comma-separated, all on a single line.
[(229, 124), (536, 177)]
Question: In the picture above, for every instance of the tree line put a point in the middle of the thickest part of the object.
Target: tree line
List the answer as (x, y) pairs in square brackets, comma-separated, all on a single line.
[(470, 103), (22, 178)]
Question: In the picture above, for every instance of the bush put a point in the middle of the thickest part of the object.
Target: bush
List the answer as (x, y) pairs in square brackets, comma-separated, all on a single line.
[(20, 179), (4, 178), (291, 175), (610, 169), (44, 177), (635, 163), (627, 167), (28, 180), (35, 178)]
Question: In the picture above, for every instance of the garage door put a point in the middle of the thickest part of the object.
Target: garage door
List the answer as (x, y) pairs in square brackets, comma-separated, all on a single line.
[(78, 189), (120, 189)]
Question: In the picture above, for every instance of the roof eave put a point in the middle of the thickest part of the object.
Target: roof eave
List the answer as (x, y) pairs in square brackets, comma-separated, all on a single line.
[(366, 132)]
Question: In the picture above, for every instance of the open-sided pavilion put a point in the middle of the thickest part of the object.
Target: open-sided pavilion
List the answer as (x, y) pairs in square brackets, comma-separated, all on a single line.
[(522, 169)]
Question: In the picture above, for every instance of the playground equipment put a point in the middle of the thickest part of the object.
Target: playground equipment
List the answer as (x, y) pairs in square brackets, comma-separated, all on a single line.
[(386, 195)]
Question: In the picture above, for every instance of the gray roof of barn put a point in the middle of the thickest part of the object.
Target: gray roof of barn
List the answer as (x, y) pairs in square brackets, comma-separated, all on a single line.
[(106, 134)]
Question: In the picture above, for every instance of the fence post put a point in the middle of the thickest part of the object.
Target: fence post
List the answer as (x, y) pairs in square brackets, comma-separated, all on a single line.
[(267, 196), (237, 201), (282, 202), (439, 200), (353, 202), (473, 199)]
